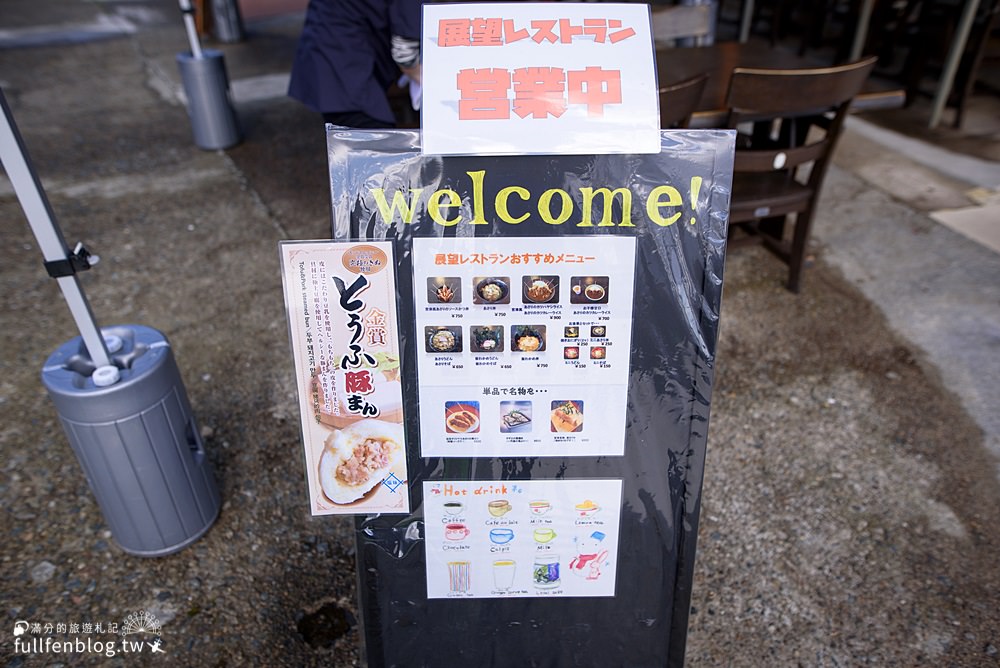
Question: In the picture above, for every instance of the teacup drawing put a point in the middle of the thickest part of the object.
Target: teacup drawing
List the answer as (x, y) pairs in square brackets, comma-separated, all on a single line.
[(501, 535), (539, 507), (544, 535), (456, 531)]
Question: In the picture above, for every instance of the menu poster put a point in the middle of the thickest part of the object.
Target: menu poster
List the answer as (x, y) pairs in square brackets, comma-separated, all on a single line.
[(524, 345), (340, 299), (522, 538)]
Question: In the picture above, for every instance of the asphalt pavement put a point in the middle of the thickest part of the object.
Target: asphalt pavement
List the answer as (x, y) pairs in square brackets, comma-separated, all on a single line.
[(851, 497)]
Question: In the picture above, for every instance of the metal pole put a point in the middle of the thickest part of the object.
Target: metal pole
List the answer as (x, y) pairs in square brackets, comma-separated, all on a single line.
[(746, 20), (953, 60), (192, 32), (50, 240), (864, 19)]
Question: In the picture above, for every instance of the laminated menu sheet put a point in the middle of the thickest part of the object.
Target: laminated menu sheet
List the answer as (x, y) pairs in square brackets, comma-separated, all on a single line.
[(528, 538), (525, 345)]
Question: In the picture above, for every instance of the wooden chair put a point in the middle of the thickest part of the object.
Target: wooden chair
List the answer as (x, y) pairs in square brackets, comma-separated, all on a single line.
[(796, 117), (680, 100)]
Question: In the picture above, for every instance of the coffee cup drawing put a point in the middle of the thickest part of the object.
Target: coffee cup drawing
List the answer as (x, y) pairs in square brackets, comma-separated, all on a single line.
[(456, 531), (453, 508), (544, 535), (501, 536), (499, 508)]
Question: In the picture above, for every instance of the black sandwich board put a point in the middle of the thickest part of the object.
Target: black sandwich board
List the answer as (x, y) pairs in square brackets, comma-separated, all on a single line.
[(437, 586)]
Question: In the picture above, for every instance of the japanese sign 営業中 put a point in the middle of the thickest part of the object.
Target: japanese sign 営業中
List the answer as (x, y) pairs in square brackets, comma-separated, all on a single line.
[(562, 78)]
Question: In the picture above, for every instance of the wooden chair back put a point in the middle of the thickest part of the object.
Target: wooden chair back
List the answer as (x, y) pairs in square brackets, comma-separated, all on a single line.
[(680, 100), (795, 118), (674, 23)]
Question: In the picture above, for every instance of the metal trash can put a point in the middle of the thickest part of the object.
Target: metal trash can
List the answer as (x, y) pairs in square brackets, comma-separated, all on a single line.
[(136, 439), (227, 22), (209, 100)]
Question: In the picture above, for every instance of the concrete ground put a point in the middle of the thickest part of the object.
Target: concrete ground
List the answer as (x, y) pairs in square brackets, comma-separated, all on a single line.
[(851, 501)]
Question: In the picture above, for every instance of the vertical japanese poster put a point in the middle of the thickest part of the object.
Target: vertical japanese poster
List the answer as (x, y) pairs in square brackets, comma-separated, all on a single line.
[(526, 344), (520, 77), (340, 299)]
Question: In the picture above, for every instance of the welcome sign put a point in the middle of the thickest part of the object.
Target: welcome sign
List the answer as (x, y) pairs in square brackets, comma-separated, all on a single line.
[(558, 318)]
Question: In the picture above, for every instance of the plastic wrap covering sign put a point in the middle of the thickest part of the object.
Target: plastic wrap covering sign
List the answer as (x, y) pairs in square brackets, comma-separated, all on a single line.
[(572, 305)]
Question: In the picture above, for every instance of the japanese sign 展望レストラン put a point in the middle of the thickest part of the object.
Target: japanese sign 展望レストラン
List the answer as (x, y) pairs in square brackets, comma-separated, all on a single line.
[(511, 78)]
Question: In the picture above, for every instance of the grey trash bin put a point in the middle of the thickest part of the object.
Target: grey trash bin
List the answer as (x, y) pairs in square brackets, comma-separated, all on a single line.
[(136, 440), (210, 106), (227, 22)]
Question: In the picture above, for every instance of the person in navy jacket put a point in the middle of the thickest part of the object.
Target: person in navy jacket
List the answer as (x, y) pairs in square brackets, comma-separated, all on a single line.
[(350, 53)]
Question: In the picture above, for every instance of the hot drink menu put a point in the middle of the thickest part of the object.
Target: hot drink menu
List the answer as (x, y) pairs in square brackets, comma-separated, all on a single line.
[(522, 538), (524, 344)]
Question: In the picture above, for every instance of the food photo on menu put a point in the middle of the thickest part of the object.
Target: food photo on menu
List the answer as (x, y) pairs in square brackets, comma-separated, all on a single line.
[(486, 339), (461, 417), (540, 289), (515, 417), (358, 453), (443, 339), (357, 458), (527, 338), (588, 290), (444, 290), (491, 290), (567, 416)]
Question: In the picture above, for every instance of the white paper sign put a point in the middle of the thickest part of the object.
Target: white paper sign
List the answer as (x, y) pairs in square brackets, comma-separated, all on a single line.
[(522, 538), (555, 78), (524, 344)]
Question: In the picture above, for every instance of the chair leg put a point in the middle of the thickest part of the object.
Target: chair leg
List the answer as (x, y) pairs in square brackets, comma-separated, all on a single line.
[(797, 254)]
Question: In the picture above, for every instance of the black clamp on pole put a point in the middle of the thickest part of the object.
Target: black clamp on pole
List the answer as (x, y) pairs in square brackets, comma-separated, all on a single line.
[(79, 260)]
